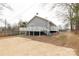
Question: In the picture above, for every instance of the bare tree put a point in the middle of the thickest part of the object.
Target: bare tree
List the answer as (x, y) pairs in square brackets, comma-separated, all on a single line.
[(3, 19), (72, 13)]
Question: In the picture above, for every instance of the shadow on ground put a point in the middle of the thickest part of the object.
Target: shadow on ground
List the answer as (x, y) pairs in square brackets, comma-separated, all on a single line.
[(69, 40)]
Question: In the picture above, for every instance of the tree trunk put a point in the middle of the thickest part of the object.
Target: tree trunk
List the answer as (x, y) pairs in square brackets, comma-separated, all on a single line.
[(77, 22), (71, 23)]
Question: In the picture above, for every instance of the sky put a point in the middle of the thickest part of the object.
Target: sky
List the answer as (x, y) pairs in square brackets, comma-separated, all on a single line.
[(25, 10)]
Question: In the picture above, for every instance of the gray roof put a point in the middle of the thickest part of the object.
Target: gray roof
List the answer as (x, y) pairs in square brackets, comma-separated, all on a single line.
[(42, 19)]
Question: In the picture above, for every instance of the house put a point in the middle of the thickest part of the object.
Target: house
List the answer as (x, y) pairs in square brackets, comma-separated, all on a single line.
[(38, 25)]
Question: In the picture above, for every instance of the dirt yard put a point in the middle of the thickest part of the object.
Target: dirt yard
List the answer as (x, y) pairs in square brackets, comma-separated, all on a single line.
[(33, 46)]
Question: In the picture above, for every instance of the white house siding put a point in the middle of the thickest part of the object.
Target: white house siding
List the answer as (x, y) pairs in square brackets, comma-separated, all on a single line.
[(22, 29), (36, 28), (39, 24), (54, 28)]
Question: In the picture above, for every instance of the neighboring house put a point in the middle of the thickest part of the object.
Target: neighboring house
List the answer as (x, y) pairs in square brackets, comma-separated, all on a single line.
[(39, 25)]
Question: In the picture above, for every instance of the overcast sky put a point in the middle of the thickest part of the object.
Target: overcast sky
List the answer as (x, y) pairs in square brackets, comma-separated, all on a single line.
[(25, 10)]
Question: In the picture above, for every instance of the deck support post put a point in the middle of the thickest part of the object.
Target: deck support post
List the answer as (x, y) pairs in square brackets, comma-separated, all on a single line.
[(29, 33), (47, 33), (26, 33), (39, 33), (33, 33), (19, 33)]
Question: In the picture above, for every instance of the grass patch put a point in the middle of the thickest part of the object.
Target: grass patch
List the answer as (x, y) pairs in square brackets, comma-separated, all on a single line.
[(62, 37)]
